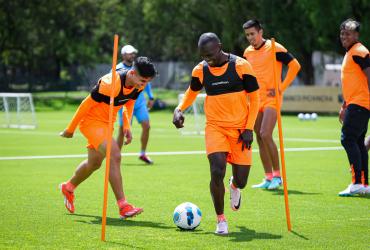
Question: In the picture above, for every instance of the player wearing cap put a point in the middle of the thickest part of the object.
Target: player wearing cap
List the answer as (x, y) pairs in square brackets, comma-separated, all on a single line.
[(92, 116), (355, 111), (141, 105), (259, 55)]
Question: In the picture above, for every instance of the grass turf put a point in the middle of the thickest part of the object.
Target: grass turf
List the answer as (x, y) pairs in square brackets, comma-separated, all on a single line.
[(33, 214)]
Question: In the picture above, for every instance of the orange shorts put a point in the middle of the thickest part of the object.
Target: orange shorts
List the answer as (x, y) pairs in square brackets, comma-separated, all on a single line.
[(268, 102), (95, 132), (219, 139)]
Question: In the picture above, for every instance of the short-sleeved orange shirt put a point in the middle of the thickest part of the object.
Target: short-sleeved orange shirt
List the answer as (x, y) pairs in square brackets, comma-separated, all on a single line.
[(354, 81), (262, 63)]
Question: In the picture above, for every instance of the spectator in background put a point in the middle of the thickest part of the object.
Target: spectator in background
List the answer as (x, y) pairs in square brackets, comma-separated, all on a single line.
[(141, 105), (355, 111)]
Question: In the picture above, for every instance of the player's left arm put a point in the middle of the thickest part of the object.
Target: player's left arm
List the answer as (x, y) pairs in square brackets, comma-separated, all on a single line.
[(293, 67), (250, 85)]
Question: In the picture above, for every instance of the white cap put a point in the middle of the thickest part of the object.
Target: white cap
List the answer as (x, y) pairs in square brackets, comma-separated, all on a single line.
[(128, 49)]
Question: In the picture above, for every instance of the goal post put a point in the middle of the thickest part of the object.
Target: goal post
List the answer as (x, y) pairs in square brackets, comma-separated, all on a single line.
[(195, 120), (17, 111)]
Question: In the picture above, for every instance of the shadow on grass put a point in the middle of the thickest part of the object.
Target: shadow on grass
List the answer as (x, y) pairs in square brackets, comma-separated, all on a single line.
[(359, 196), (96, 220), (290, 192), (245, 235), (299, 235)]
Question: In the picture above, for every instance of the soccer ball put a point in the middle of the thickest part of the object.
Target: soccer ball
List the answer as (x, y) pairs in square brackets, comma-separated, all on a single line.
[(301, 116), (187, 216), (307, 116), (313, 116)]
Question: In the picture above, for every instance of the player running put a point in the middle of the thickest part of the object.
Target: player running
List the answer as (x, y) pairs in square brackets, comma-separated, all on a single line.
[(231, 107), (92, 116), (259, 55)]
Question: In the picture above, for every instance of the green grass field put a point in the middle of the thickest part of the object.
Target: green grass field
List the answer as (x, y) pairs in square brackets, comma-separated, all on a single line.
[(33, 213)]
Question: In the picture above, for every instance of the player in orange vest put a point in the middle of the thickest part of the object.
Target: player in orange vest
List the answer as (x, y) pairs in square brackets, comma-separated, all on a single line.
[(355, 111), (92, 117), (231, 108)]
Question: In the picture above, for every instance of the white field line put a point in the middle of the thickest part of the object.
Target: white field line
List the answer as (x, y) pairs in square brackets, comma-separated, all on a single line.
[(157, 153), (174, 135)]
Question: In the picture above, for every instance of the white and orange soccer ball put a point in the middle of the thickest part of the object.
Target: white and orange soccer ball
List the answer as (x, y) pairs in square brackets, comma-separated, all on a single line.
[(187, 216)]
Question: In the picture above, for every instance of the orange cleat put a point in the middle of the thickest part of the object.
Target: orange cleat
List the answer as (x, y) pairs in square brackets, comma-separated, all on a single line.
[(68, 198), (129, 211)]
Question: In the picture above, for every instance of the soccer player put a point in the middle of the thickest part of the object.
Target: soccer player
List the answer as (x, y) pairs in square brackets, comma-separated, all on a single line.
[(231, 108), (92, 116), (355, 111), (140, 109), (260, 56)]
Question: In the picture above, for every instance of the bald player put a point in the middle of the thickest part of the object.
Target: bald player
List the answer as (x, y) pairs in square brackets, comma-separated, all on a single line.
[(259, 55), (355, 111), (92, 117), (231, 108)]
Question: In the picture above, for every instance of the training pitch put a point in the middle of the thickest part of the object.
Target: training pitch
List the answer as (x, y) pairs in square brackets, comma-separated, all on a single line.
[(34, 162)]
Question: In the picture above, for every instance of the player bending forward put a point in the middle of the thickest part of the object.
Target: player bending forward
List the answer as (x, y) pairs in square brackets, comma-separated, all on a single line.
[(92, 117)]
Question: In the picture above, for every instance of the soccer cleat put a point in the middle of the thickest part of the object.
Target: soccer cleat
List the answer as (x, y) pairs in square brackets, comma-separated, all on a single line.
[(68, 198), (235, 196), (129, 211), (222, 228), (366, 190), (352, 189), (264, 184), (275, 183), (146, 159)]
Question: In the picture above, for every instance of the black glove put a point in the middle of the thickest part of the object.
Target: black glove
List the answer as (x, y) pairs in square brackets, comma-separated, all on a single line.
[(246, 138), (178, 118)]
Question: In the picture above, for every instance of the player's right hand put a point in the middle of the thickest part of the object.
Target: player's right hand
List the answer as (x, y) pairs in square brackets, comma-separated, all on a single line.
[(128, 135), (246, 138), (342, 113), (178, 118), (66, 134)]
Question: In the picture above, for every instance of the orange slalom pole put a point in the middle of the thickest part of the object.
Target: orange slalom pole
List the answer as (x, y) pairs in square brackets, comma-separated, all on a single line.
[(109, 138), (281, 141)]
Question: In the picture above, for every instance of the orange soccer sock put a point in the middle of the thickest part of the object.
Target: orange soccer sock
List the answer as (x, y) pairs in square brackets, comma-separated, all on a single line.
[(268, 176), (276, 173), (221, 217), (122, 202), (70, 187)]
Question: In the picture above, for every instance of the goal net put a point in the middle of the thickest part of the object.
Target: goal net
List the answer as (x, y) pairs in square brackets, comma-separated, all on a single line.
[(195, 120), (17, 111)]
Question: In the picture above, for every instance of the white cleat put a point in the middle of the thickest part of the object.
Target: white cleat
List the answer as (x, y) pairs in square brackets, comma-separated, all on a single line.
[(366, 190), (222, 228), (235, 196), (352, 189)]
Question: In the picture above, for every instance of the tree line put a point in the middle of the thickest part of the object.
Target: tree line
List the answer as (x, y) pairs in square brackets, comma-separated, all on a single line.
[(46, 41)]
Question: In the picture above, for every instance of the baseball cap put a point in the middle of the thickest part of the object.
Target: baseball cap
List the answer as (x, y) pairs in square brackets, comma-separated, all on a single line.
[(128, 49)]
